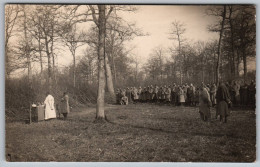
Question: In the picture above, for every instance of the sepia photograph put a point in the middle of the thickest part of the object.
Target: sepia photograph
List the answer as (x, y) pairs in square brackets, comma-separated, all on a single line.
[(130, 83)]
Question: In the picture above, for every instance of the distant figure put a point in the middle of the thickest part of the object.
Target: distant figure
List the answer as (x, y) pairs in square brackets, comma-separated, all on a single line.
[(118, 96), (49, 107), (204, 104), (174, 95), (244, 94), (213, 91), (190, 95), (251, 94), (128, 94), (181, 96), (168, 94), (139, 92), (65, 108), (197, 96), (135, 94), (223, 100), (155, 91), (185, 88), (124, 100)]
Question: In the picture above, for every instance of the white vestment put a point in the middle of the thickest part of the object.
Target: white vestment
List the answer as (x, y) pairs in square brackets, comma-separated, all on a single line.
[(49, 107)]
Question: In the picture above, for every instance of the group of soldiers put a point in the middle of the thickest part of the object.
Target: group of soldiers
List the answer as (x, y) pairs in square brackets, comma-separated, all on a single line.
[(172, 94), (186, 94)]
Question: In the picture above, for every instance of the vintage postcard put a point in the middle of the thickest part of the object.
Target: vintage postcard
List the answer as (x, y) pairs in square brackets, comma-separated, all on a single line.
[(130, 83)]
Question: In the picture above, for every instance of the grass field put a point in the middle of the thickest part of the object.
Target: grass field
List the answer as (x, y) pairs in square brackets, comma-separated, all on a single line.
[(140, 133)]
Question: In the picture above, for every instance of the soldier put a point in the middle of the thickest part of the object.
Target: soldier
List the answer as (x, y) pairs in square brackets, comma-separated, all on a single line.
[(251, 93), (244, 94), (144, 94), (128, 95), (155, 92), (118, 96), (181, 96), (151, 95), (135, 94), (236, 88), (197, 98), (160, 94), (168, 94), (223, 101), (147, 94), (213, 91), (208, 88), (164, 93), (185, 89), (204, 104), (174, 94), (139, 93), (124, 100), (190, 94)]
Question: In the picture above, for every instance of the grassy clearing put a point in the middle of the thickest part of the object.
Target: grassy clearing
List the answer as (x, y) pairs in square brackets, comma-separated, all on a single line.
[(141, 133)]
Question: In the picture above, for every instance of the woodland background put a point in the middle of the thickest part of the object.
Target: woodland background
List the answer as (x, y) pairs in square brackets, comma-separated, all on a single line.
[(36, 35)]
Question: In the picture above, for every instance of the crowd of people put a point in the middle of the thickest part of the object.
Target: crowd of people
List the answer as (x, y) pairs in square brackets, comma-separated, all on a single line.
[(185, 94), (205, 95)]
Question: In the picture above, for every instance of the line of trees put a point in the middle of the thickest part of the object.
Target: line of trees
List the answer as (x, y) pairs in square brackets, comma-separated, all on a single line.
[(210, 61), (41, 33), (37, 36)]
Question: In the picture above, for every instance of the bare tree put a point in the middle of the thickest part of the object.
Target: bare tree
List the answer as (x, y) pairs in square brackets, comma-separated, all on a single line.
[(11, 15), (100, 21), (221, 13), (72, 39), (177, 33)]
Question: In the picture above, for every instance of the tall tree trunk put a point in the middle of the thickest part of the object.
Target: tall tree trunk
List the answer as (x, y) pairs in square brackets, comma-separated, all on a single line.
[(100, 112), (109, 80), (40, 52), (233, 72), (181, 75), (219, 45), (27, 48), (238, 62), (114, 67), (52, 55), (245, 64), (74, 69), (203, 74), (7, 65), (49, 78)]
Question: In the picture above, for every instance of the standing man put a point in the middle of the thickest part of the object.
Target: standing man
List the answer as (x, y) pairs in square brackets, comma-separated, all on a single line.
[(185, 89), (140, 94), (181, 96), (128, 94), (251, 94), (155, 91), (213, 91), (204, 104), (49, 107), (168, 94), (151, 94), (135, 94), (65, 108), (191, 93), (174, 94), (223, 101), (236, 89), (118, 96)]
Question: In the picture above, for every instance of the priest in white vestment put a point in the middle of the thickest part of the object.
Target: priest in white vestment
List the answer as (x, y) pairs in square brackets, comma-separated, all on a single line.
[(49, 107)]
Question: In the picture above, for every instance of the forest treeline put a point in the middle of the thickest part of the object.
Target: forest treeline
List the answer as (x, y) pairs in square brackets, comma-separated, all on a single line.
[(37, 35)]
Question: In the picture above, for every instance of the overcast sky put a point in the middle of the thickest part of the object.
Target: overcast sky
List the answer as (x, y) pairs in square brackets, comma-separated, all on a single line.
[(156, 20)]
